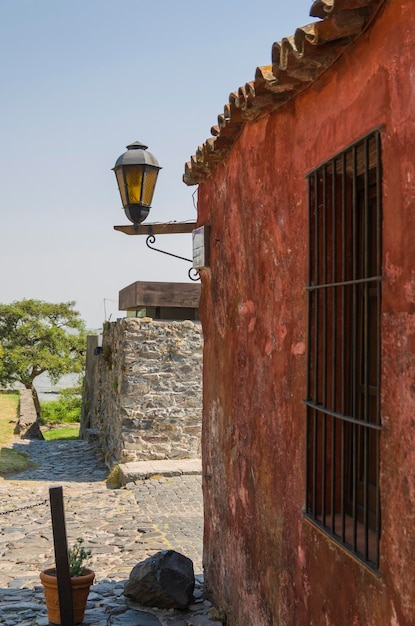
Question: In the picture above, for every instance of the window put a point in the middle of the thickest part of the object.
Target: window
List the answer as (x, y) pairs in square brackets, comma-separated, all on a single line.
[(343, 396)]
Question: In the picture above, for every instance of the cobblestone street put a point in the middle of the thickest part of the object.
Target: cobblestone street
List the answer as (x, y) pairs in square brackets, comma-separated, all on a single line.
[(120, 526)]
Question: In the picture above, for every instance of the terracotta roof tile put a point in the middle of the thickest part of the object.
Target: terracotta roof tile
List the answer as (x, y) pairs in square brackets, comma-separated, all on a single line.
[(297, 61)]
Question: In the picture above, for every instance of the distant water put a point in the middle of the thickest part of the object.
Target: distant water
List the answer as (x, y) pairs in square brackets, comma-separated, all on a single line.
[(47, 391)]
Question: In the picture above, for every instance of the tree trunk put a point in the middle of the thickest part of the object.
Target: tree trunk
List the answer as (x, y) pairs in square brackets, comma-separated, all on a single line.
[(35, 399)]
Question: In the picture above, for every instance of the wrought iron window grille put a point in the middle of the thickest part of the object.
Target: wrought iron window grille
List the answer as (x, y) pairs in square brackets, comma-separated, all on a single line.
[(343, 383)]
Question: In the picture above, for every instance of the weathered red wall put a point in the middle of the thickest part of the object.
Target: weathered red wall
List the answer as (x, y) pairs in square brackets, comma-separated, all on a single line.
[(264, 563)]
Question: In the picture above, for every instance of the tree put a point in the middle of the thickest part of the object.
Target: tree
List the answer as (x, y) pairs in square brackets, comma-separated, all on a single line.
[(37, 337)]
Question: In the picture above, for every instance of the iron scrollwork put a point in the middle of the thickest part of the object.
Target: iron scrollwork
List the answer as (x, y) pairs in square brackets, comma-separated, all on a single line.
[(192, 273)]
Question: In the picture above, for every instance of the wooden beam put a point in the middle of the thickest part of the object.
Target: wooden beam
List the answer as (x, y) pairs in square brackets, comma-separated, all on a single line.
[(169, 228), (153, 294)]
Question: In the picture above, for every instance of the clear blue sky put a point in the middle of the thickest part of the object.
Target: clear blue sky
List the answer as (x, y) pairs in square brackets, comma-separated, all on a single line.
[(81, 79)]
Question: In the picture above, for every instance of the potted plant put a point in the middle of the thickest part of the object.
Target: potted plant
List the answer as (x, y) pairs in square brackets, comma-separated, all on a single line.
[(81, 580)]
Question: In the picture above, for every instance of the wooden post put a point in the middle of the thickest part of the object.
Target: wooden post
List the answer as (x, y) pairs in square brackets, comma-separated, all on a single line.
[(61, 556)]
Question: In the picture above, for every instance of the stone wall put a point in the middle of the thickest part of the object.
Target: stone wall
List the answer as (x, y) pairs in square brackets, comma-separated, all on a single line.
[(28, 425), (143, 391)]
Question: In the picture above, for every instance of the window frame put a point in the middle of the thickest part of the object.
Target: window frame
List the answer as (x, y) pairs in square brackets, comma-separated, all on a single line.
[(343, 356)]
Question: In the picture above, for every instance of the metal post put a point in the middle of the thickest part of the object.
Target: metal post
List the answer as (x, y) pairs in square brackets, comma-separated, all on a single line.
[(61, 556)]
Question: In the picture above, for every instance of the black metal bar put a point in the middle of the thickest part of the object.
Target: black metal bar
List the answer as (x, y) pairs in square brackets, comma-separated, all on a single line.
[(324, 349), (317, 278), (354, 485), (346, 283), (151, 239), (309, 344), (366, 492), (310, 277), (333, 474), (354, 339), (334, 349), (378, 305), (61, 556), (315, 462), (340, 416), (316, 337), (366, 350), (366, 269), (193, 274), (377, 504), (343, 349), (378, 200)]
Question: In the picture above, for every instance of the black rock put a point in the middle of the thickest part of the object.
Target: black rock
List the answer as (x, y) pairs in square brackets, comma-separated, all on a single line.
[(135, 617), (165, 580)]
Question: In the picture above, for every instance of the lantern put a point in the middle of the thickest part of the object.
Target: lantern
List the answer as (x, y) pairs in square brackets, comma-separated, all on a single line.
[(136, 171)]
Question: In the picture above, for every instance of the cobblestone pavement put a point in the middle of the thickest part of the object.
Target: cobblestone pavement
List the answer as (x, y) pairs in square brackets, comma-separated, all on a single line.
[(120, 526)]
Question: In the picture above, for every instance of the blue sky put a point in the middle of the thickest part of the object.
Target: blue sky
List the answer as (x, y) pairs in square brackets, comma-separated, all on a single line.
[(80, 80)]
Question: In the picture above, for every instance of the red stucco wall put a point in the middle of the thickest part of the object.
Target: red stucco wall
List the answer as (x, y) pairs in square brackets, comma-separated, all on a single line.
[(264, 563)]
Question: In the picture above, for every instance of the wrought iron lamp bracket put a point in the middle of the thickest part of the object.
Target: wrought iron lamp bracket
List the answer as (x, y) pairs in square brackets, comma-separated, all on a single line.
[(151, 239)]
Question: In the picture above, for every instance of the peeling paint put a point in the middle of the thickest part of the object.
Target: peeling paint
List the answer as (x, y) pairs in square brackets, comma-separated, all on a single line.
[(392, 272), (298, 349)]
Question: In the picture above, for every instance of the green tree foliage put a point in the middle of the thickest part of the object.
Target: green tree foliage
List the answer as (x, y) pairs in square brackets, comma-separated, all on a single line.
[(37, 337)]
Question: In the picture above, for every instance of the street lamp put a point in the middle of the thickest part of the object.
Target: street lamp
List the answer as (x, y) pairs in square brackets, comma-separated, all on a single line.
[(136, 171)]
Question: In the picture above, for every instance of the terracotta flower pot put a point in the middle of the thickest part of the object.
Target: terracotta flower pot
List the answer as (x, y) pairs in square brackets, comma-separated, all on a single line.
[(80, 592)]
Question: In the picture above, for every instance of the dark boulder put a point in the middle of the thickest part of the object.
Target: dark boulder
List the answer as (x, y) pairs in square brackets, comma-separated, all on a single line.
[(165, 580)]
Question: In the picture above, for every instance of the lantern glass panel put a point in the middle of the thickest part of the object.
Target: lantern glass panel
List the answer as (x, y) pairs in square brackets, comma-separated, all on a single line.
[(134, 181), (121, 185), (149, 185)]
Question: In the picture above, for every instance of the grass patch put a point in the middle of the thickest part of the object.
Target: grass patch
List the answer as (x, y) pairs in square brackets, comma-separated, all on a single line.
[(13, 461), (9, 404), (10, 460), (56, 414), (55, 434), (65, 410)]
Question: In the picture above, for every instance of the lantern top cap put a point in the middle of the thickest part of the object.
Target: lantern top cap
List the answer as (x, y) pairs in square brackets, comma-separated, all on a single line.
[(137, 154), (136, 145)]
